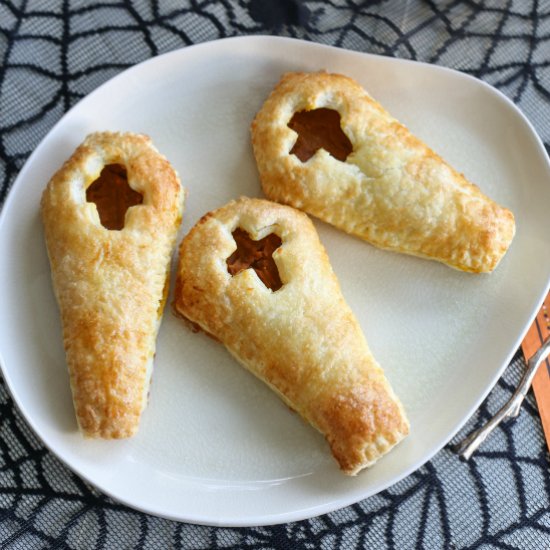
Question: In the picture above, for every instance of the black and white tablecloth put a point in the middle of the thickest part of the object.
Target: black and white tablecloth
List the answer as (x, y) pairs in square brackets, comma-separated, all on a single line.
[(53, 53)]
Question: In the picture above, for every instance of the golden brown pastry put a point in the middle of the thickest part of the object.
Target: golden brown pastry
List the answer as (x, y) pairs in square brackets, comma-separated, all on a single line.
[(323, 145), (110, 271), (254, 275)]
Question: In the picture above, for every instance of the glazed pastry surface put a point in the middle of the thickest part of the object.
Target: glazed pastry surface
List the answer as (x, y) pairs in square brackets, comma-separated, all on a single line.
[(111, 284), (301, 339), (391, 189)]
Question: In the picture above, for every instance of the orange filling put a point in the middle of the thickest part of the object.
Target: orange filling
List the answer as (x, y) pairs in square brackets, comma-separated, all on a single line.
[(112, 196), (257, 255), (319, 129)]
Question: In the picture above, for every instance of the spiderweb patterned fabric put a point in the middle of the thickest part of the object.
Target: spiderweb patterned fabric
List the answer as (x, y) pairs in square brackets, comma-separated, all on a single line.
[(55, 53)]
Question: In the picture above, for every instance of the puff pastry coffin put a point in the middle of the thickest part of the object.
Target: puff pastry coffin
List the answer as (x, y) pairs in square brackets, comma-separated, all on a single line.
[(301, 339), (387, 187), (111, 284)]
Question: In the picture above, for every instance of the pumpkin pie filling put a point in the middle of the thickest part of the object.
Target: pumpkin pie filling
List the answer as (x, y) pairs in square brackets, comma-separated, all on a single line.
[(257, 255), (319, 129), (112, 196)]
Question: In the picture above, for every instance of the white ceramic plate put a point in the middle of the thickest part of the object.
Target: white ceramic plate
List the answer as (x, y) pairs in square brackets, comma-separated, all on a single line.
[(215, 446)]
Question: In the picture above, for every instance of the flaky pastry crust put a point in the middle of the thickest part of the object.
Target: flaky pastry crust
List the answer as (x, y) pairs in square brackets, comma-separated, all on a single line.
[(111, 286), (303, 339), (392, 190)]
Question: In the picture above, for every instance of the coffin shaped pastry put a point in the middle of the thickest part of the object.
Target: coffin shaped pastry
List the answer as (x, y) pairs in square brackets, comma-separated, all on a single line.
[(254, 275), (111, 216), (323, 145)]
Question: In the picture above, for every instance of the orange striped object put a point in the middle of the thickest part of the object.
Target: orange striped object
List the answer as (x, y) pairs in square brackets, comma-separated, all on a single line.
[(538, 331)]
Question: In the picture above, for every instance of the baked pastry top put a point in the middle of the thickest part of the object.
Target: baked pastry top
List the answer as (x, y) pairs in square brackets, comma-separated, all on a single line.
[(111, 216), (323, 145), (254, 275)]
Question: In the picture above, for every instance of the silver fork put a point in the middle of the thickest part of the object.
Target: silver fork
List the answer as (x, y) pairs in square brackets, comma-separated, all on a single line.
[(511, 409)]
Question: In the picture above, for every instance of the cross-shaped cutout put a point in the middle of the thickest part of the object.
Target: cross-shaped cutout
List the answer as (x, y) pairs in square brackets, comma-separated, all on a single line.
[(112, 196), (257, 255), (319, 129)]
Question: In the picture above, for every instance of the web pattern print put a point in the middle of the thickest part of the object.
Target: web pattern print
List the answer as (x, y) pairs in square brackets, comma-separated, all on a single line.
[(55, 53), (76, 47), (499, 499)]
